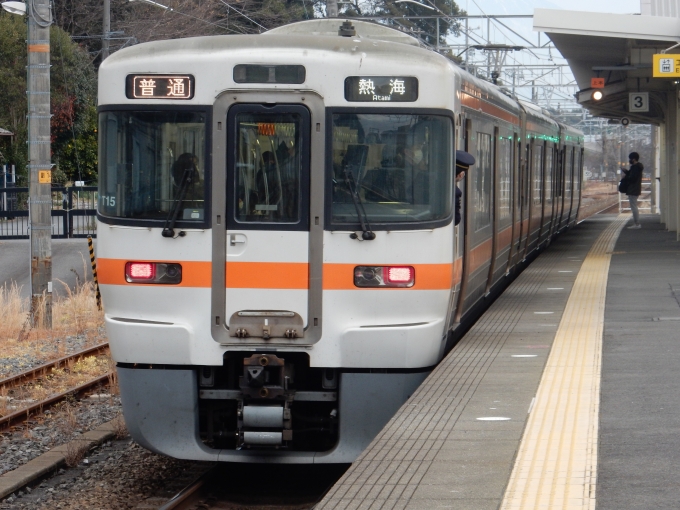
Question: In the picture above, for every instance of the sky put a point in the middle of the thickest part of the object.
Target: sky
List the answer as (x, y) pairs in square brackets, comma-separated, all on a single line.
[(528, 6), (531, 68)]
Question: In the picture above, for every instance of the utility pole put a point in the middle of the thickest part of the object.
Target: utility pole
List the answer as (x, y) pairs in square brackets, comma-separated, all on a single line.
[(106, 29), (332, 8), (39, 161)]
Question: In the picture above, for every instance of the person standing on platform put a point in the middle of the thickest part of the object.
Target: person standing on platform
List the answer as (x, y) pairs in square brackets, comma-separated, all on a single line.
[(634, 181), (464, 161)]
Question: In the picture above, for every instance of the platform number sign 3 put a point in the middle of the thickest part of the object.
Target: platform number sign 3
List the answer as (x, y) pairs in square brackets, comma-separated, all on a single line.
[(638, 102)]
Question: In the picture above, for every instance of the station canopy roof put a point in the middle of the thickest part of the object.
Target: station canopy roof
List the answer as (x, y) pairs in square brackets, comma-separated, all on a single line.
[(618, 48)]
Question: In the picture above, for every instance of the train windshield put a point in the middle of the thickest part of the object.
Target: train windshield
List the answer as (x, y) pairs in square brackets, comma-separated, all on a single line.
[(399, 165), (152, 162)]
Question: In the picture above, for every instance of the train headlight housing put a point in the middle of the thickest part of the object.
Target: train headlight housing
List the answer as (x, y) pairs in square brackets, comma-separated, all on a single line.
[(153, 272), (384, 276)]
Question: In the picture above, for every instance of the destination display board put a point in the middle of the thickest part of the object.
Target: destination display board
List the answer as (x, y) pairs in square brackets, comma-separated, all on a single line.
[(159, 86), (378, 89)]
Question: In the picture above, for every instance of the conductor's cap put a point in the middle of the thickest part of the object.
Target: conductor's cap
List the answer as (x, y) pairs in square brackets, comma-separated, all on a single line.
[(464, 160)]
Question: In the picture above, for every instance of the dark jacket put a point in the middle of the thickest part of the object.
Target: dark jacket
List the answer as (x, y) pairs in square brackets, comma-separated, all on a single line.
[(634, 179), (459, 194)]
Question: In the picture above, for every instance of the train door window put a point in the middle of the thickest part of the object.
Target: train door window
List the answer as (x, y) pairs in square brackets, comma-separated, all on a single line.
[(390, 168), (559, 172), (525, 177), (269, 164), (568, 172), (578, 173), (536, 164), (549, 174), (505, 176), (152, 162), (482, 182)]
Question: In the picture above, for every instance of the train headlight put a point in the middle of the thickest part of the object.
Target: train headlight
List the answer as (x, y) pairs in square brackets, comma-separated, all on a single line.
[(597, 95), (384, 276), (153, 272)]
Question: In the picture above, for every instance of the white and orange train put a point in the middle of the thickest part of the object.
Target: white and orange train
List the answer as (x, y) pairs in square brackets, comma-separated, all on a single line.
[(277, 252)]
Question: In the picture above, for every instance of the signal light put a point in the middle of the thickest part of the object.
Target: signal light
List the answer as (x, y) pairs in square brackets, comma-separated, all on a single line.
[(384, 276), (153, 272)]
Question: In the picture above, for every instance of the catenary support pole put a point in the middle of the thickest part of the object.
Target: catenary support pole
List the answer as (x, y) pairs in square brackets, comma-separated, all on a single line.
[(106, 29), (39, 161)]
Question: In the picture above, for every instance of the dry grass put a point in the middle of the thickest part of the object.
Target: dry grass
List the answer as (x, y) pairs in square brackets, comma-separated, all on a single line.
[(75, 452), (13, 312), (119, 427), (74, 314)]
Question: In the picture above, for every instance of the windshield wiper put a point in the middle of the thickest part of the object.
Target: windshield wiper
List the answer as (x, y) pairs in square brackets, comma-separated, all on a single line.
[(367, 233), (169, 227)]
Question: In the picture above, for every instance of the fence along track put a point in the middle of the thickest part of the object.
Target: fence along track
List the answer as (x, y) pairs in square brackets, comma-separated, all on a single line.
[(73, 211)]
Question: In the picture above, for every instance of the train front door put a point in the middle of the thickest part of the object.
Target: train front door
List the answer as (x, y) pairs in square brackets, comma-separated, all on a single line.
[(267, 222)]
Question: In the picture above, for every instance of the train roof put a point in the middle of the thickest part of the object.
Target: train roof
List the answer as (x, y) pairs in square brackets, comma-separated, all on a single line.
[(374, 51), (329, 28)]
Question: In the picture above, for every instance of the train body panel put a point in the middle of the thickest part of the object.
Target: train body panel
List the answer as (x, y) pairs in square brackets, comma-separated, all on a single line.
[(276, 230)]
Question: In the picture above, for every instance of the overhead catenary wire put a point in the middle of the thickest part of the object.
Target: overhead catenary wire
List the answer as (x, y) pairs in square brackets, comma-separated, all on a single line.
[(246, 17)]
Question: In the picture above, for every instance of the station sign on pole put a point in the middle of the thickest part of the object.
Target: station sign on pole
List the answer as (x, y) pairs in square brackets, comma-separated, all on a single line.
[(597, 83), (666, 65), (638, 102)]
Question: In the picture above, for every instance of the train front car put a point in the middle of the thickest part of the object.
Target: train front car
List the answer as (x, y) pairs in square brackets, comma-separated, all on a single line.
[(275, 237)]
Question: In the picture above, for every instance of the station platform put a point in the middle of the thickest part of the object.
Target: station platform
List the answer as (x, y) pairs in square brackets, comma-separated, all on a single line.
[(562, 395)]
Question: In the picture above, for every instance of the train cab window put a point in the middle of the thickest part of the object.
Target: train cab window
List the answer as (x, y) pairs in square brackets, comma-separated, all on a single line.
[(152, 162), (481, 182), (504, 176), (536, 172), (398, 166), (267, 167)]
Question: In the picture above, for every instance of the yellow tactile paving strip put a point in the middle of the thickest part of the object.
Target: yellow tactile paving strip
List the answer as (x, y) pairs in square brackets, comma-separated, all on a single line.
[(556, 466)]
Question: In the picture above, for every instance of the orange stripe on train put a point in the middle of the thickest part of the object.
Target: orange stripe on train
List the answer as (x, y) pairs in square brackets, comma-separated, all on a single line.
[(428, 276), (276, 275)]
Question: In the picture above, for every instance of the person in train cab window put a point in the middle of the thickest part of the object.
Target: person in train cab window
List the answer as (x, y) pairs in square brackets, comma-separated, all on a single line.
[(464, 160), (268, 186), (414, 159), (634, 181), (186, 167)]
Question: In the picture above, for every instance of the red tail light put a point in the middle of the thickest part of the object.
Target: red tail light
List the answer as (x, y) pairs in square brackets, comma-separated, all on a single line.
[(400, 274), (384, 276), (153, 272), (140, 270)]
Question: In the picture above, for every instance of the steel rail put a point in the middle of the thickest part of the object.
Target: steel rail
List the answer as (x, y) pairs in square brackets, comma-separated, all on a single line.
[(189, 495), (35, 373), (24, 414)]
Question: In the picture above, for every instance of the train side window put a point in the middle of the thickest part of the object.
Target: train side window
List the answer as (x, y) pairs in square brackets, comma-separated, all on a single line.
[(536, 164), (505, 176)]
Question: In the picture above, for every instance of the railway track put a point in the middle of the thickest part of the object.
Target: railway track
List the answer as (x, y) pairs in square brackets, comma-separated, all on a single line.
[(13, 382), (247, 486)]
